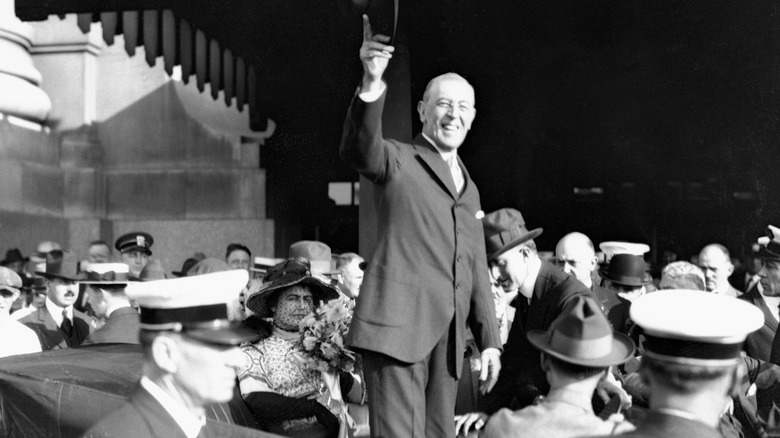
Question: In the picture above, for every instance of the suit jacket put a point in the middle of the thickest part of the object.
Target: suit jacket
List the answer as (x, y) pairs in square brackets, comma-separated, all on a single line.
[(50, 334), (521, 375), (659, 425), (758, 344), (614, 307), (429, 269), (121, 327)]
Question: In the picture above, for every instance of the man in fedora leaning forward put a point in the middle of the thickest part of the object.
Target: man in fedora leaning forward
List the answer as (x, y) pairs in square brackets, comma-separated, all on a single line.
[(576, 353), (426, 282), (57, 324)]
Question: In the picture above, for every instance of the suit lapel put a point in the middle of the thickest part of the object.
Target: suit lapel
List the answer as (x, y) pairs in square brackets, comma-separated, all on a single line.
[(769, 319), (431, 159)]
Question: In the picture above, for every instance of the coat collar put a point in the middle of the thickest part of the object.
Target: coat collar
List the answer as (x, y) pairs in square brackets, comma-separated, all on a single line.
[(432, 159)]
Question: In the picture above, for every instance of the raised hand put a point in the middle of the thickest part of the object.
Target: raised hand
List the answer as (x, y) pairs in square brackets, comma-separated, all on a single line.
[(374, 54)]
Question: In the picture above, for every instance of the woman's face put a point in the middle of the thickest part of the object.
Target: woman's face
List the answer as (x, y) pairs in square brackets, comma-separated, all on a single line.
[(294, 304)]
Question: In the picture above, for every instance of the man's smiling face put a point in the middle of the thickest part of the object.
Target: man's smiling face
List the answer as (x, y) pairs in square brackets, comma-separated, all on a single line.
[(447, 111)]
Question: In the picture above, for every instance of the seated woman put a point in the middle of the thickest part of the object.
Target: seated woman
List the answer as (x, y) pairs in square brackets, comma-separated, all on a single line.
[(284, 395)]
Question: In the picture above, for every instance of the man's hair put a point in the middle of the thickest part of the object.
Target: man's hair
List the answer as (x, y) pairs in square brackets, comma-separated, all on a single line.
[(683, 275), (574, 370), (530, 244), (237, 246), (721, 248), (346, 259), (443, 77), (113, 289), (683, 378)]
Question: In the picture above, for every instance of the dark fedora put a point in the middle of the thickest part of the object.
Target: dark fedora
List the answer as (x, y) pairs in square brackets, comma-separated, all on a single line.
[(770, 244), (288, 273), (188, 264), (63, 265), (626, 269), (504, 230), (13, 255), (581, 335)]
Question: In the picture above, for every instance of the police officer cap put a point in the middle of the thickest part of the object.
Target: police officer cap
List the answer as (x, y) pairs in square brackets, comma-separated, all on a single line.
[(694, 327), (135, 241)]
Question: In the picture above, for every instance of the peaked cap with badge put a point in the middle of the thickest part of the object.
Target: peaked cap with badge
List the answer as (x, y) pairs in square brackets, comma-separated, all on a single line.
[(135, 241), (193, 306)]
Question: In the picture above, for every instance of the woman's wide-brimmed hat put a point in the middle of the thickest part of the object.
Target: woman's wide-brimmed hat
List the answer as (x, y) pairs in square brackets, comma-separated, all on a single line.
[(581, 335), (288, 273)]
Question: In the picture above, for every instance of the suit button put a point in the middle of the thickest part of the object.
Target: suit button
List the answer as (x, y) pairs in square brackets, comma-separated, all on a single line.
[(457, 286), (457, 231), (458, 259)]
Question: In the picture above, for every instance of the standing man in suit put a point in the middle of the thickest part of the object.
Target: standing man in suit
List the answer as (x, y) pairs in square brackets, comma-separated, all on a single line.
[(106, 284), (543, 291), (758, 344), (57, 324), (426, 282), (191, 357)]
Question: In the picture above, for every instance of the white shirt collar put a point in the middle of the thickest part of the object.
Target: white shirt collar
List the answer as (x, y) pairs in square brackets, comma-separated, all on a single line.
[(56, 311), (527, 288), (444, 154), (189, 423)]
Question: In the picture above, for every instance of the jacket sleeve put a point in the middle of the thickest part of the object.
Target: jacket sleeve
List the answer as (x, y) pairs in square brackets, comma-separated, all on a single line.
[(362, 147)]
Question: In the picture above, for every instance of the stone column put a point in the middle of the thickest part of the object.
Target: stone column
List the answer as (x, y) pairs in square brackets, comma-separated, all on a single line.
[(20, 94)]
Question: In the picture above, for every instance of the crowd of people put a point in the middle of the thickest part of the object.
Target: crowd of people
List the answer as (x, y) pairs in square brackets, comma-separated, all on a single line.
[(456, 324)]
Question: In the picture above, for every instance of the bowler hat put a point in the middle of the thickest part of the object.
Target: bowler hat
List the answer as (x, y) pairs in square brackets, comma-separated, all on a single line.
[(626, 269), (288, 273), (62, 264), (770, 244), (135, 241), (582, 335), (13, 255), (317, 253), (504, 230)]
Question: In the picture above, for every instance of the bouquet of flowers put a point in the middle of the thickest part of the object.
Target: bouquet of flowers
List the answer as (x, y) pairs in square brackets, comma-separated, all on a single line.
[(322, 337), (322, 345)]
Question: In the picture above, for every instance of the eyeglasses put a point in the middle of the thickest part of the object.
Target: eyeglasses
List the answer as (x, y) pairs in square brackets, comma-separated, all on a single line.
[(448, 105)]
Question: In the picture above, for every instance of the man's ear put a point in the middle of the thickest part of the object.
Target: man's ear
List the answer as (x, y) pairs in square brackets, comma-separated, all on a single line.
[(165, 352), (421, 111)]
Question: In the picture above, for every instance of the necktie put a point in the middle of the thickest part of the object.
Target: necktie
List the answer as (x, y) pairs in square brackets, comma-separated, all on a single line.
[(67, 326), (457, 174)]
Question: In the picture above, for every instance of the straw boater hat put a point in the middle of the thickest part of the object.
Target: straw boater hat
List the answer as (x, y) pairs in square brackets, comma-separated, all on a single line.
[(107, 274), (504, 230), (581, 335), (626, 269), (194, 306), (288, 273), (712, 335)]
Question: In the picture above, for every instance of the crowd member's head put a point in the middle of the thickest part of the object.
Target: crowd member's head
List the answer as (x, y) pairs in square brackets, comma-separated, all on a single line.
[(61, 271), (692, 361), (715, 261), (189, 342), (38, 288), (106, 284), (576, 255), (238, 256), (15, 261), (447, 110), (289, 293), (770, 262), (626, 275), (10, 282), (580, 346), (511, 250), (38, 258), (681, 275), (348, 265), (135, 248), (99, 251)]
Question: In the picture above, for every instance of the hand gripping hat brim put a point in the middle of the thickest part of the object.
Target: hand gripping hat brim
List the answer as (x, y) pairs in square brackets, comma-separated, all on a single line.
[(504, 230), (694, 327), (288, 273), (582, 335), (194, 306)]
